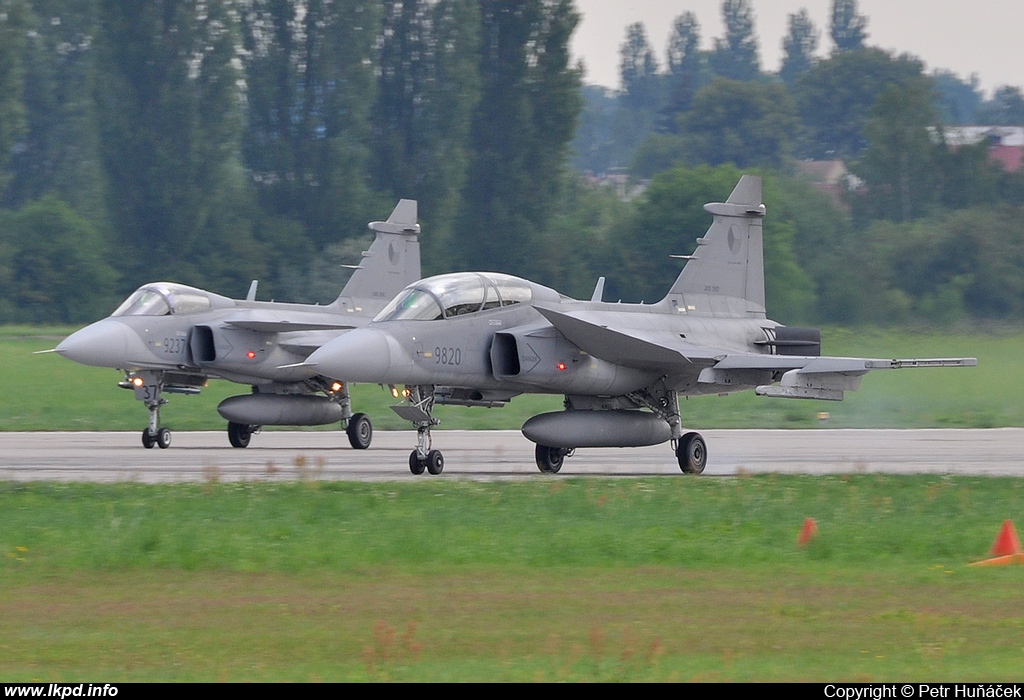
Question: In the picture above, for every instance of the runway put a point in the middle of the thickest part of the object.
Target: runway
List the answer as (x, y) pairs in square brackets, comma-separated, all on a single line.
[(497, 455)]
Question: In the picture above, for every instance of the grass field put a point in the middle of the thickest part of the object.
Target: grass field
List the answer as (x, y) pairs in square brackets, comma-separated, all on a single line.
[(575, 580), (47, 392), (649, 579)]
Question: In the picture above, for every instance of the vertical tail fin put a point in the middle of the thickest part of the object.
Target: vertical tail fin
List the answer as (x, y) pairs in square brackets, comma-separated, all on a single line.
[(725, 275), (391, 263)]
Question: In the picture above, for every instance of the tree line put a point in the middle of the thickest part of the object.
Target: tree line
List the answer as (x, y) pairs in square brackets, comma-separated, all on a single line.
[(847, 258), (216, 141), (212, 142)]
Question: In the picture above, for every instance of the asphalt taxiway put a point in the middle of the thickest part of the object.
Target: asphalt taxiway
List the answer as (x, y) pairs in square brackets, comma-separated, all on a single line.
[(493, 455)]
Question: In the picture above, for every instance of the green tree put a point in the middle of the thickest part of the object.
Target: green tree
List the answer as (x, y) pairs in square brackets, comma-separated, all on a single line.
[(848, 27), (428, 86), (899, 165), (595, 148), (60, 151), (735, 56), (638, 69), (58, 269), (310, 88), (12, 108), (965, 263), (959, 99), (684, 68), (799, 46), (835, 97), (522, 127), (1006, 108), (170, 118), (742, 123)]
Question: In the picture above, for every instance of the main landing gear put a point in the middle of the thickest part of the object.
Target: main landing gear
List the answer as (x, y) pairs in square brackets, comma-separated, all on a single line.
[(239, 434), (360, 431), (692, 453), (550, 459), (418, 410), (690, 450)]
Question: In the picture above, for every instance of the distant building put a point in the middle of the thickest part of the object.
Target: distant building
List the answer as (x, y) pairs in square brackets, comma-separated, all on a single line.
[(1006, 143), (618, 179), (831, 177)]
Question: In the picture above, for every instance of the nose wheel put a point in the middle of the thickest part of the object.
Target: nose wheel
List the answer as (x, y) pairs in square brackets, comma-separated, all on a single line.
[(148, 386), (419, 411), (433, 463), (161, 439)]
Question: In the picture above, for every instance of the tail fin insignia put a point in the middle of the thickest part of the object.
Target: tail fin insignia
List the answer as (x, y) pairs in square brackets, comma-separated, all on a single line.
[(725, 276)]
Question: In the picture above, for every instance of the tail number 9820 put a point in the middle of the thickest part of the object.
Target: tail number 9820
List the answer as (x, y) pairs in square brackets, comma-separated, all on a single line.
[(447, 356)]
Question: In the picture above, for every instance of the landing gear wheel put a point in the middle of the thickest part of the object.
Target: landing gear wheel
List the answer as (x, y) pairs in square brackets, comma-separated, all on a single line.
[(148, 439), (163, 438), (692, 454), (360, 431), (416, 465), (239, 434), (435, 462), (550, 459)]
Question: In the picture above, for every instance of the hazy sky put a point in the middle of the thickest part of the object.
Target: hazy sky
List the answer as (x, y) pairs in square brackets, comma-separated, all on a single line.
[(966, 36)]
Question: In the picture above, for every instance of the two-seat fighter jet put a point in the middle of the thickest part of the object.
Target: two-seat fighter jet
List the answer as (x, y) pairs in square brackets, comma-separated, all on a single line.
[(169, 338), (479, 339)]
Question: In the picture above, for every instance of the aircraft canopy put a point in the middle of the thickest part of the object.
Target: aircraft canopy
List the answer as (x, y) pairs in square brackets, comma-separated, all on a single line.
[(456, 294), (164, 299)]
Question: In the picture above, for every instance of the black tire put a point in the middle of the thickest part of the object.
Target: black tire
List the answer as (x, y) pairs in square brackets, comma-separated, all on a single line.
[(239, 434), (163, 438), (360, 431), (148, 439), (416, 465), (435, 462), (550, 459), (692, 454)]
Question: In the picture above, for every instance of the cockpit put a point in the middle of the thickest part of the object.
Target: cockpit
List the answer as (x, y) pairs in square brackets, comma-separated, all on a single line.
[(164, 299), (456, 294)]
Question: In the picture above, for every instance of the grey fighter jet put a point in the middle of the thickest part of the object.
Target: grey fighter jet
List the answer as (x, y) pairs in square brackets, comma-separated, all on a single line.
[(479, 339), (170, 339)]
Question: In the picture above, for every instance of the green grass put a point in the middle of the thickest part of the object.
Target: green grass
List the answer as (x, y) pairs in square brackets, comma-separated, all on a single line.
[(551, 579), (47, 392)]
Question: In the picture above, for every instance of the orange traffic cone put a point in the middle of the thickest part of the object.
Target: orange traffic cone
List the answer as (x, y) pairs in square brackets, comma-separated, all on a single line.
[(1006, 549), (807, 532), (1007, 542)]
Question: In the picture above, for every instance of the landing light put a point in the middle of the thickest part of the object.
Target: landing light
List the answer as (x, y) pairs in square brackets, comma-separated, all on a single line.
[(337, 386), (137, 381), (394, 391)]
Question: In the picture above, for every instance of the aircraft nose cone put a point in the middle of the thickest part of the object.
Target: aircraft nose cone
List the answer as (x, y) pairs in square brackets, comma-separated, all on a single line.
[(103, 344), (361, 355)]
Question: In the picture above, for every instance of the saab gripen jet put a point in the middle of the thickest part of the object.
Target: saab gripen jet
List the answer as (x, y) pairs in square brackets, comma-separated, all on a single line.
[(170, 339), (479, 339)]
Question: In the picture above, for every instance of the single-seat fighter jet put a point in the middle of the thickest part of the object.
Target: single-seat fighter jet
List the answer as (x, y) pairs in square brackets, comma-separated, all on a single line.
[(479, 339), (169, 338)]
